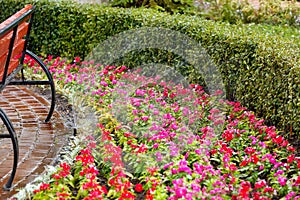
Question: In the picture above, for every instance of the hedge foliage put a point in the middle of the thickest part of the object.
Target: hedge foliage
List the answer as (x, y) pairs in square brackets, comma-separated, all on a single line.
[(268, 12), (260, 67)]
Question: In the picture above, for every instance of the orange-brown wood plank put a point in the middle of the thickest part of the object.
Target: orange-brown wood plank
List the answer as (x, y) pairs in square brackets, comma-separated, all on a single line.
[(2, 62), (22, 30), (4, 43), (13, 65), (18, 48)]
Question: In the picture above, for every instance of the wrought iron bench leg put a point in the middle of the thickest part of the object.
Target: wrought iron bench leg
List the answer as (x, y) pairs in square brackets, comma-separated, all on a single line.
[(50, 79), (14, 140)]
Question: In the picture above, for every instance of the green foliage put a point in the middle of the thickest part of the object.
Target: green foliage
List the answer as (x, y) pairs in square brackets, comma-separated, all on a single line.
[(268, 12), (171, 6), (259, 64)]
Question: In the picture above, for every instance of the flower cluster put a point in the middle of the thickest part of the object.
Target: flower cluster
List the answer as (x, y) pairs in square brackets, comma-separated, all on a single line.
[(167, 141), (81, 180)]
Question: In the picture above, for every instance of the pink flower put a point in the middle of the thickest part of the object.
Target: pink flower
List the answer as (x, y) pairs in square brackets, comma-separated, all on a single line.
[(279, 172), (180, 192), (104, 83), (139, 92), (155, 146), (290, 195), (135, 112), (168, 165), (158, 156), (145, 118), (174, 171), (261, 167), (282, 180)]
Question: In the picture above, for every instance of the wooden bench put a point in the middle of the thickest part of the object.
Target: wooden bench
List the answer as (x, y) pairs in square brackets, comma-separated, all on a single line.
[(14, 36)]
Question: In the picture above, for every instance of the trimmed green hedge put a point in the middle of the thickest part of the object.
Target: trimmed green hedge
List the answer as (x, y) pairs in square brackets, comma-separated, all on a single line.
[(260, 67)]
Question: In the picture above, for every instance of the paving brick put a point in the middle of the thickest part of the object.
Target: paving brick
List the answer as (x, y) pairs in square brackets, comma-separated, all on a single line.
[(38, 141)]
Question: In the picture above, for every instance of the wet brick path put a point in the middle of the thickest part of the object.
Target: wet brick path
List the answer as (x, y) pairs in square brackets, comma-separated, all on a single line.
[(39, 142)]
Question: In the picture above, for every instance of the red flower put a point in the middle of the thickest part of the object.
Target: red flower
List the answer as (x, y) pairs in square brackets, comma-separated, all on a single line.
[(77, 60), (89, 185), (244, 163), (127, 195), (85, 157), (128, 134), (36, 191), (214, 151), (284, 143), (228, 135), (232, 167), (278, 139), (260, 184), (250, 150), (96, 193), (244, 190), (64, 173), (44, 186), (56, 176), (103, 188), (61, 194), (138, 187), (290, 158), (254, 159), (271, 132), (149, 197), (65, 166), (257, 196), (292, 149), (268, 189)]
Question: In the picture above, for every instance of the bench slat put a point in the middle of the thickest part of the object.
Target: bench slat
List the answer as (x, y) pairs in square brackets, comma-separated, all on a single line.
[(4, 43), (13, 65), (17, 50), (22, 30), (7, 28), (2, 61)]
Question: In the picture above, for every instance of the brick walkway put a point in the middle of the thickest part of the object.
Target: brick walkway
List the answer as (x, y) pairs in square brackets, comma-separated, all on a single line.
[(39, 142)]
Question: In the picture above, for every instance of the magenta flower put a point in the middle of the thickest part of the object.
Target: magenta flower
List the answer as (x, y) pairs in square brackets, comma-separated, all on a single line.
[(139, 92), (145, 118), (282, 180), (180, 192)]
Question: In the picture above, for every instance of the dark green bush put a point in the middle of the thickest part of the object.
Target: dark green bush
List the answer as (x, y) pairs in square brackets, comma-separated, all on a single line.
[(170, 6), (259, 64)]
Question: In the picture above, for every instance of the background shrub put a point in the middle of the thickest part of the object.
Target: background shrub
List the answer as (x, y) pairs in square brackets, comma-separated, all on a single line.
[(272, 12), (259, 64), (171, 6)]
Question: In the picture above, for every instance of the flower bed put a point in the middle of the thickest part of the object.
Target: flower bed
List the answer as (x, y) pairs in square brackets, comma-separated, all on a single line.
[(158, 140)]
